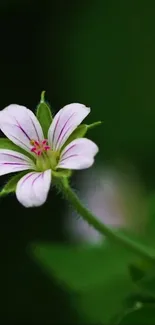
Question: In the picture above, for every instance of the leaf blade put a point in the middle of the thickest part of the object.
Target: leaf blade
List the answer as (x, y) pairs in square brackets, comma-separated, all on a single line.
[(140, 316), (93, 274)]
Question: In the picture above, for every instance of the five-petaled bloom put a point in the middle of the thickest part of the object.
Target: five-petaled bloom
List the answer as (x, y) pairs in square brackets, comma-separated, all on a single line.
[(22, 127)]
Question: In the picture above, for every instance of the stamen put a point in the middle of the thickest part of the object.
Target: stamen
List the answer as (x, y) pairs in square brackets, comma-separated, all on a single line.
[(36, 143), (44, 141), (47, 147), (32, 142), (33, 149)]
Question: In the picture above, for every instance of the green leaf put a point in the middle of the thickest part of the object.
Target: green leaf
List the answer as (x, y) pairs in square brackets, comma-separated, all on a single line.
[(97, 276), (97, 264), (148, 283), (7, 144), (137, 272), (44, 114), (139, 296), (150, 226), (100, 304), (142, 315), (10, 187)]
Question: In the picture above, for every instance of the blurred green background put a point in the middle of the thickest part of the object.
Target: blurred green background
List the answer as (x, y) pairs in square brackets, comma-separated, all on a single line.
[(99, 53)]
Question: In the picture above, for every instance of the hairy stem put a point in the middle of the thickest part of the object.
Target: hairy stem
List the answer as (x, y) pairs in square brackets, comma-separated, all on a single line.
[(102, 228)]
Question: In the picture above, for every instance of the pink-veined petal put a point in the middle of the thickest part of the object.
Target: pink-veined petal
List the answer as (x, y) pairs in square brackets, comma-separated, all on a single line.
[(65, 122), (12, 161), (20, 125), (33, 188), (79, 154)]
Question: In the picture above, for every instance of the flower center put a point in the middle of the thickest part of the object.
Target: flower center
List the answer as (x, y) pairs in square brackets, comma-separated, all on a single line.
[(46, 158), (39, 146)]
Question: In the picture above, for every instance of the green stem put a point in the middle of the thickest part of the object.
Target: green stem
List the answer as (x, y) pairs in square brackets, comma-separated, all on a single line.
[(102, 228)]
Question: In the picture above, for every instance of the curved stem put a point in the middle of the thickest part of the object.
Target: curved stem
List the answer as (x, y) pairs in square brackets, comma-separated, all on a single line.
[(102, 228)]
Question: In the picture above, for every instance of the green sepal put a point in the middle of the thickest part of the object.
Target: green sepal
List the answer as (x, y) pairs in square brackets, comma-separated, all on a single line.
[(44, 114), (10, 186), (93, 125), (62, 173), (80, 132), (7, 144)]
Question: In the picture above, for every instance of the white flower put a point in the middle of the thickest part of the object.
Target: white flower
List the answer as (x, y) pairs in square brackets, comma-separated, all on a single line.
[(21, 126)]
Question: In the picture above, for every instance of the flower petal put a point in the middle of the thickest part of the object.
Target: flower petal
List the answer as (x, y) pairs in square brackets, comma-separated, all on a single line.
[(20, 125), (65, 122), (79, 154), (32, 189), (12, 161)]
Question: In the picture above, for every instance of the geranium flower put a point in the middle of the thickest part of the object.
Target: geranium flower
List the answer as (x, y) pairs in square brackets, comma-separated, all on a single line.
[(49, 155)]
